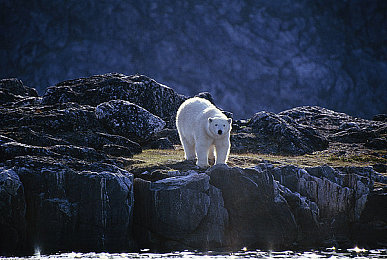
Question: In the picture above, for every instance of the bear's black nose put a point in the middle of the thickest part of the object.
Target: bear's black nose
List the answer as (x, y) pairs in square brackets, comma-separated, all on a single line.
[(220, 132)]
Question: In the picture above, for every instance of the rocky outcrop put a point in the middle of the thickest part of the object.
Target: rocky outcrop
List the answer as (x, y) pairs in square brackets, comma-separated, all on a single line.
[(262, 207), (70, 205), (270, 133), (69, 115), (305, 130), (340, 127), (62, 182), (158, 99), (65, 183)]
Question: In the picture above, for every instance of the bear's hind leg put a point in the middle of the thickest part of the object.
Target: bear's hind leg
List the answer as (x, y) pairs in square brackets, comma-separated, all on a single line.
[(189, 149)]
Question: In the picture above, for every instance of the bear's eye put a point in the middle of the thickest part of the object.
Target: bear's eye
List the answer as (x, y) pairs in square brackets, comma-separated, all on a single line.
[(216, 124), (224, 125)]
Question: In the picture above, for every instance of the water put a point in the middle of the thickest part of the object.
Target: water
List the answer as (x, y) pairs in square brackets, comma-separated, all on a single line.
[(330, 253)]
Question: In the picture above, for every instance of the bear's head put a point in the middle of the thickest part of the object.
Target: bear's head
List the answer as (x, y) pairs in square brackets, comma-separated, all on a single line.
[(219, 126)]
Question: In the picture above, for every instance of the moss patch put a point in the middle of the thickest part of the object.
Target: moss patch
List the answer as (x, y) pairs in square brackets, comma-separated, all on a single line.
[(174, 159)]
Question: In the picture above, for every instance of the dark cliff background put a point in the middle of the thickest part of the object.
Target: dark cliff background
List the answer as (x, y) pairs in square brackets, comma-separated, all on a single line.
[(251, 55)]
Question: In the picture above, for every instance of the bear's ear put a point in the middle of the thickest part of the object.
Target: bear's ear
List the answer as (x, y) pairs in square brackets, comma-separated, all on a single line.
[(210, 120), (229, 121)]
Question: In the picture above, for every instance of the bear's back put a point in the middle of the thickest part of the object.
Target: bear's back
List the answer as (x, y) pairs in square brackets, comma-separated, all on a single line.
[(192, 108)]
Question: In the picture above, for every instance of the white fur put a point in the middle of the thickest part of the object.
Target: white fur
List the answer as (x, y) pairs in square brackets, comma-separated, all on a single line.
[(202, 127)]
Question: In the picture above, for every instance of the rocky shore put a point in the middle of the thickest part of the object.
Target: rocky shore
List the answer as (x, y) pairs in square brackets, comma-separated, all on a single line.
[(70, 180)]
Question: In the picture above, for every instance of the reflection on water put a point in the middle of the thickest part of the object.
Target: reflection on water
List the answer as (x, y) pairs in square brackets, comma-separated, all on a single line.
[(330, 253)]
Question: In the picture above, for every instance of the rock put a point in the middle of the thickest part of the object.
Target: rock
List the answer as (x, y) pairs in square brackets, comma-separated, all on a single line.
[(325, 185), (259, 217), (183, 211), (12, 90), (49, 119), (349, 125), (140, 90), (127, 119), (306, 214), (12, 213), (171, 134), (14, 149), (339, 193), (271, 133), (377, 143), (335, 126), (83, 153), (371, 229), (161, 143), (75, 205), (16, 87), (380, 117), (28, 136), (4, 139), (117, 150), (353, 135), (158, 174), (206, 95), (108, 139), (379, 167)]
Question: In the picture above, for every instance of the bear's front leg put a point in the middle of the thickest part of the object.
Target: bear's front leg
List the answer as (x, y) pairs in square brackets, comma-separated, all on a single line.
[(202, 148), (189, 148), (211, 154), (222, 151)]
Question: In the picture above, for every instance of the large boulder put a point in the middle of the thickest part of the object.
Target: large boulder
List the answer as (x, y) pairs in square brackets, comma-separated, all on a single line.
[(179, 212), (128, 119), (158, 99), (340, 127), (267, 132), (73, 205)]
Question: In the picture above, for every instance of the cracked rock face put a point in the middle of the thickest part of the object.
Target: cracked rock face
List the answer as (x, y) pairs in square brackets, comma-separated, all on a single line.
[(73, 206), (258, 215), (12, 211), (185, 210)]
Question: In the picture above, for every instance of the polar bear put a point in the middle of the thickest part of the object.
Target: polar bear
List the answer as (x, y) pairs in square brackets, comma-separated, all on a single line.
[(203, 129)]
